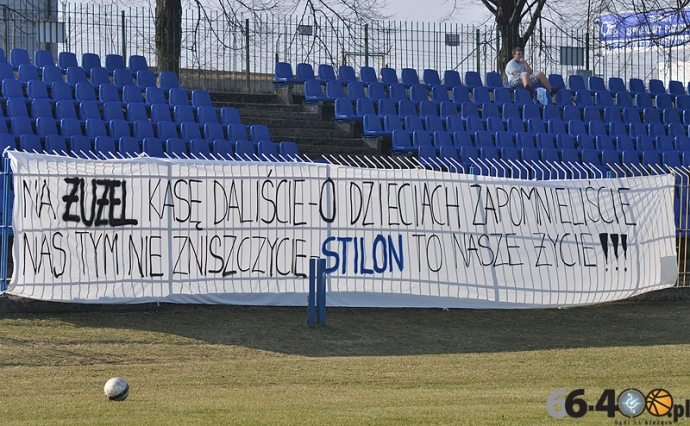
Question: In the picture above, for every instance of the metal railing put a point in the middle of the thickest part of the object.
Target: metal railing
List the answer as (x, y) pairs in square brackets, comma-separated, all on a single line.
[(527, 170), (224, 53)]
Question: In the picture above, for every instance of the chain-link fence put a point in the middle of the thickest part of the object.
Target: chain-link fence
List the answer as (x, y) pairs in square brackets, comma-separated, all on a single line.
[(229, 53)]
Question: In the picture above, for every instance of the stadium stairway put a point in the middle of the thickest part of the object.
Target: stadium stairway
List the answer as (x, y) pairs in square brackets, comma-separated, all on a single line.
[(311, 127)]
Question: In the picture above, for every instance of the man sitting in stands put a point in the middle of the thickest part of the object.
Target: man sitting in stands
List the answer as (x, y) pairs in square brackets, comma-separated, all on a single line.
[(520, 74)]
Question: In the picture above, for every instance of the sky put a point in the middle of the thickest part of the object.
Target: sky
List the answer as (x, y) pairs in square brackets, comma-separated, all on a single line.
[(420, 11)]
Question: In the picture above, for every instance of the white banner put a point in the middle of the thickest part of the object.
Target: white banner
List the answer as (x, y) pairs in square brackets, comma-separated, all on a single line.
[(143, 230)]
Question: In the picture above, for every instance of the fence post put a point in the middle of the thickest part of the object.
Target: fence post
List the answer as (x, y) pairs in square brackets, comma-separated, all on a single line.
[(246, 53), (479, 55), (124, 38), (321, 291), (5, 19), (311, 300), (366, 45)]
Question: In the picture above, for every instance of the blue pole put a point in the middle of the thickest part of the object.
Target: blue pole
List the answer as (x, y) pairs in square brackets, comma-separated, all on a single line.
[(311, 301), (321, 292)]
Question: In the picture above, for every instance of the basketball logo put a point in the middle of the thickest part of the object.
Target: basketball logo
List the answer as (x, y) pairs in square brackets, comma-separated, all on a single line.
[(659, 402)]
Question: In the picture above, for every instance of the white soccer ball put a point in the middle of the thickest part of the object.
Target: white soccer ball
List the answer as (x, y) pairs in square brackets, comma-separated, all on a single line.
[(116, 389)]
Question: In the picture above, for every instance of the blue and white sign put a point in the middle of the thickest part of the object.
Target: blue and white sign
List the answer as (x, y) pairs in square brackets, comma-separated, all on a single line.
[(658, 27)]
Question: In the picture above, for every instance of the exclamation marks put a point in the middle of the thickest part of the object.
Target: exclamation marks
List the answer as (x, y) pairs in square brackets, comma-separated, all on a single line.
[(615, 239)]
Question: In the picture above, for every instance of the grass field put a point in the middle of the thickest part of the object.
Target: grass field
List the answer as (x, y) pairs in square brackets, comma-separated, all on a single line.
[(264, 365)]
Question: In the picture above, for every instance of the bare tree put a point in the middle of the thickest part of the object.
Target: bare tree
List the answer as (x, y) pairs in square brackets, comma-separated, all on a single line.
[(169, 13)]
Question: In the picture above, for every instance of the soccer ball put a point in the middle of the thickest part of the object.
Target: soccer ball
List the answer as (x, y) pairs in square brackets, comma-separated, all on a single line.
[(116, 389)]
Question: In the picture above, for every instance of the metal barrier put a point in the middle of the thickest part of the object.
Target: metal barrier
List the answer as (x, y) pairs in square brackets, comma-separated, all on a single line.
[(542, 170), (231, 53)]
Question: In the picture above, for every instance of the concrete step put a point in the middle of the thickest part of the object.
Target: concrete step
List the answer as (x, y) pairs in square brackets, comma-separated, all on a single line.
[(307, 132), (293, 123)]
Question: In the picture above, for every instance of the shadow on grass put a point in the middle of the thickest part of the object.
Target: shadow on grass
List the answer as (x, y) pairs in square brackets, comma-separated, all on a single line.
[(390, 332)]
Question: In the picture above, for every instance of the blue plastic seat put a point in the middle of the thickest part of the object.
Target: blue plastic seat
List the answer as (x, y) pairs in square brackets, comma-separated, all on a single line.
[(46, 126), (617, 128), (468, 109), (145, 79), (119, 128), (454, 123), (376, 91), (122, 77), (16, 108), (616, 85), (483, 138), (136, 112), (113, 111), (643, 100), (305, 72), (504, 139), (236, 132), (451, 78), (143, 129), (384, 107), (80, 146), (70, 126), (406, 107), (624, 143), (473, 79), (474, 124), (244, 150), (155, 95), (56, 144), (51, 73), (153, 147), (334, 90), (41, 108), (664, 143), (137, 63), (223, 150), (176, 148), (168, 80), (132, 94), (596, 83), (388, 76), (113, 62), (418, 93), (524, 140), (98, 76), (663, 101), (427, 108), (12, 89), (413, 122), (61, 91), (289, 151), (128, 147), (95, 128), (448, 109), (89, 110), (29, 142), (343, 109), (206, 114), (260, 132), (555, 126), (108, 93), (391, 122), (355, 91), (439, 94), (430, 77), (267, 151), (596, 128), (200, 97), (442, 138), (190, 130), (397, 92), (545, 140), (65, 109), (372, 126), (494, 124), (556, 80), (183, 113), (502, 96), (19, 56), (43, 58), (576, 83), (6, 71), (213, 131), (481, 95), (26, 73), (493, 80), (409, 77), (90, 60), (84, 91), (177, 96), (313, 92), (326, 73), (522, 97), (346, 74), (66, 60), (462, 138), (367, 75), (200, 148), (76, 75), (461, 95), (365, 106)]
